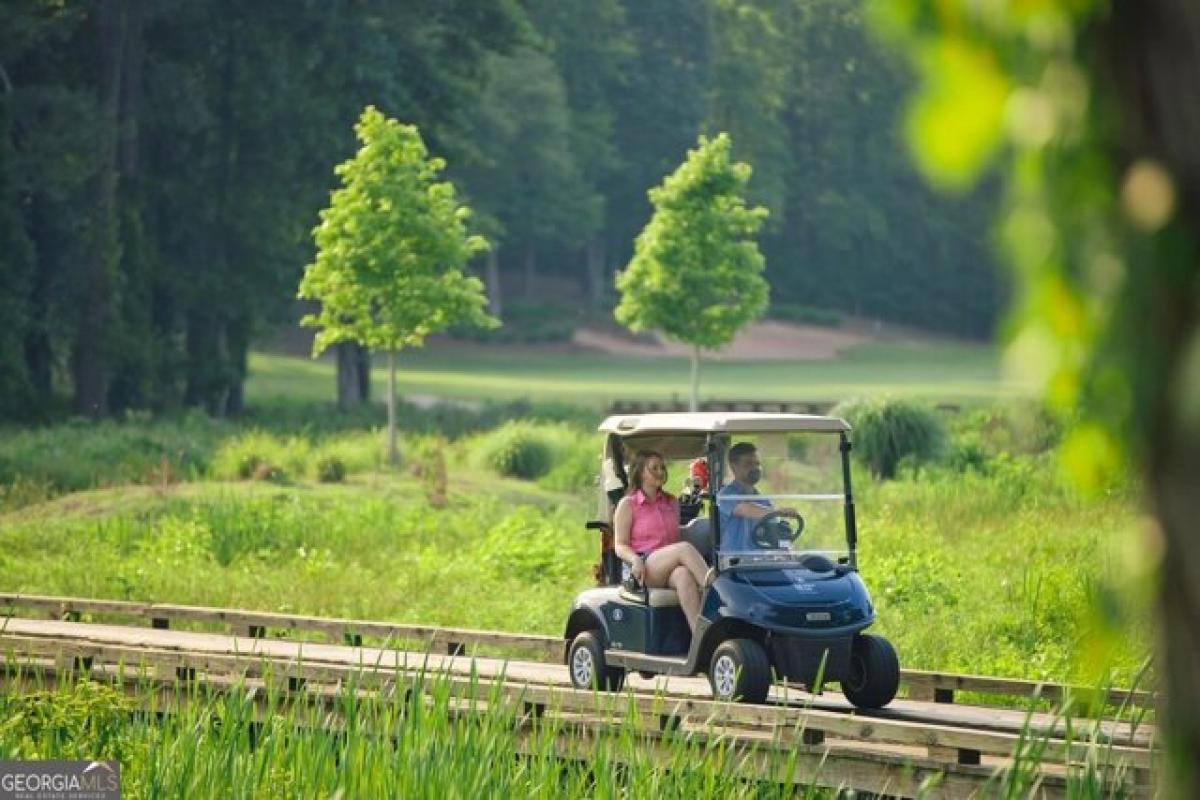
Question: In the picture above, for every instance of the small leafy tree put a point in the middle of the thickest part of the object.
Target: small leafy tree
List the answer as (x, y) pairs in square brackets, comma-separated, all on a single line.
[(390, 251), (696, 273)]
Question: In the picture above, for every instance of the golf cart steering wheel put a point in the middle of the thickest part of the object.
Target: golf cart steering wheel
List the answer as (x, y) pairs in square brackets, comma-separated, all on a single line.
[(771, 529)]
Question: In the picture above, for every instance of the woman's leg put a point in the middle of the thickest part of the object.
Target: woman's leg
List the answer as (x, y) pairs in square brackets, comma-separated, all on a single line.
[(664, 560), (689, 594), (675, 566)]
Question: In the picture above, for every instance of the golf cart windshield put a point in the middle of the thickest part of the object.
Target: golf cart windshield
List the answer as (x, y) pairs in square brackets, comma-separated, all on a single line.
[(781, 496)]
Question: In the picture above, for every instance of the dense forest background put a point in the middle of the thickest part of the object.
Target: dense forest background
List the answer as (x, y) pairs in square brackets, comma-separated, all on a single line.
[(162, 163)]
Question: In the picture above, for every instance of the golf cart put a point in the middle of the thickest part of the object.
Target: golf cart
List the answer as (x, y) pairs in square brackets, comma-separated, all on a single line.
[(784, 596)]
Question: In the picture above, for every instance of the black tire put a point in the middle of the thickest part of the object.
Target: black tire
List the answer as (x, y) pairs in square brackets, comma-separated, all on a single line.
[(874, 672), (585, 663), (739, 670)]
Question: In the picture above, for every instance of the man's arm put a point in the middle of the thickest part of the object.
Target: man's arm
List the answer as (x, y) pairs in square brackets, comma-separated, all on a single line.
[(754, 511)]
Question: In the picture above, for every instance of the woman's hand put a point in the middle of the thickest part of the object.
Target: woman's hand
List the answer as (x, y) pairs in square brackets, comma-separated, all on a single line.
[(638, 568)]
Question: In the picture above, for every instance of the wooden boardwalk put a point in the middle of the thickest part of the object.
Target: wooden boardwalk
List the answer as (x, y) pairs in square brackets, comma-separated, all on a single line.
[(919, 684), (892, 750)]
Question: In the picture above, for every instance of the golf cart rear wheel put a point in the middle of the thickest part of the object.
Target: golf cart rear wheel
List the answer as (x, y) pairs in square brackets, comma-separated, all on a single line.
[(585, 662), (874, 672), (739, 670)]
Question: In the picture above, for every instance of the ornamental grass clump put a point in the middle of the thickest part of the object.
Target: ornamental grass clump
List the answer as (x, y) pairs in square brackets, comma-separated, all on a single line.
[(887, 431), (519, 449)]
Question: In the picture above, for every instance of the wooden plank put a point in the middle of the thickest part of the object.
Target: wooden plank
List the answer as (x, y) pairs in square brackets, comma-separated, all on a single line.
[(930, 684), (64, 605), (337, 629)]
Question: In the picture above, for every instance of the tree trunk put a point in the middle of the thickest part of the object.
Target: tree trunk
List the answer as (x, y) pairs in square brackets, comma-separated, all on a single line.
[(492, 277), (393, 450), (206, 384), (131, 86), (595, 272), (349, 376), (89, 365), (39, 355), (237, 343), (1153, 44), (131, 382), (530, 270), (364, 372), (694, 400)]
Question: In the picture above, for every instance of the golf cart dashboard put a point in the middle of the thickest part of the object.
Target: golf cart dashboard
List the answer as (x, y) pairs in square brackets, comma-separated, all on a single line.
[(812, 560), (773, 559)]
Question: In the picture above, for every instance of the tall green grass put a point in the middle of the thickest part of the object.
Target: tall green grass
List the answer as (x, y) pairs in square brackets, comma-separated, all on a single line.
[(988, 564), (981, 573), (416, 744)]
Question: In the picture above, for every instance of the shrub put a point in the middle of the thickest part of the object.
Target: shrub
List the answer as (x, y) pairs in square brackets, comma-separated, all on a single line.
[(887, 431), (81, 454), (357, 451), (261, 456), (24, 492), (1018, 427), (968, 453), (519, 449), (331, 469), (575, 468)]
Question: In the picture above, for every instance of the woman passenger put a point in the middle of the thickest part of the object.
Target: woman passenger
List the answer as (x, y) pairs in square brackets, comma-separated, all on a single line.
[(646, 524)]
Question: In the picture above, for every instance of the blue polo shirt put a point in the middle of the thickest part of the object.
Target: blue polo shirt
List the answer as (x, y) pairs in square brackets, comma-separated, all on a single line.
[(735, 530)]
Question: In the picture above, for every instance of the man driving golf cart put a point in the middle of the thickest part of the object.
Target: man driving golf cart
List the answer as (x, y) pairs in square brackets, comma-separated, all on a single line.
[(783, 596), (740, 506)]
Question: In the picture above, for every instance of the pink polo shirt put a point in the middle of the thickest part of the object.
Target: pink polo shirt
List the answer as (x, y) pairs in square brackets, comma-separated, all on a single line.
[(655, 524)]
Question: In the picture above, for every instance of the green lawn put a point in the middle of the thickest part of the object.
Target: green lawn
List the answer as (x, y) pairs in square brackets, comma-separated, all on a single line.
[(948, 372)]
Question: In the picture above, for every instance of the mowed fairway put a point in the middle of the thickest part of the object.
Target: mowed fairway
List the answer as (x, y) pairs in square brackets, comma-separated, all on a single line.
[(942, 372)]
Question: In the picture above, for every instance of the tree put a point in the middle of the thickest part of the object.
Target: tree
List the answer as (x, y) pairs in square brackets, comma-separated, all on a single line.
[(526, 173), (696, 273), (591, 45), (1096, 132), (750, 56), (390, 251)]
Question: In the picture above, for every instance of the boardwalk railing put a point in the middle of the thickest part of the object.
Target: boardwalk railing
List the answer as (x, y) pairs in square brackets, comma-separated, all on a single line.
[(921, 685)]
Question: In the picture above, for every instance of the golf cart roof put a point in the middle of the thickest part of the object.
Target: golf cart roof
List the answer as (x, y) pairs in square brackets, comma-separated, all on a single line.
[(719, 422)]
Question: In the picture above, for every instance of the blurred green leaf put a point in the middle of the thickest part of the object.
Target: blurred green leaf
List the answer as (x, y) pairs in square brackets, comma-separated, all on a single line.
[(955, 124)]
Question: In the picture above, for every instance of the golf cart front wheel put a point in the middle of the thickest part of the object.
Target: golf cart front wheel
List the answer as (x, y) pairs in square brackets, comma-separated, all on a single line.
[(585, 662), (874, 672), (740, 670)]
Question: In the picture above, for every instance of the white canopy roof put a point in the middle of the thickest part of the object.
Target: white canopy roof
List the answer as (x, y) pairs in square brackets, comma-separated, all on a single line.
[(719, 422)]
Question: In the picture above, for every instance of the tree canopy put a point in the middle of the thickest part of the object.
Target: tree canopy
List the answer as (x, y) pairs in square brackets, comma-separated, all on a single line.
[(696, 273), (162, 162), (391, 248)]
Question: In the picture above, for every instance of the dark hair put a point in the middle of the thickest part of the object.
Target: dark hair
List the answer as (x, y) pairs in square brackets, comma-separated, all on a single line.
[(741, 449), (638, 466)]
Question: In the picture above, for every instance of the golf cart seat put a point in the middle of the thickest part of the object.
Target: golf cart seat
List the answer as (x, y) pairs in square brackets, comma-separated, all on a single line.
[(655, 598), (698, 532)]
